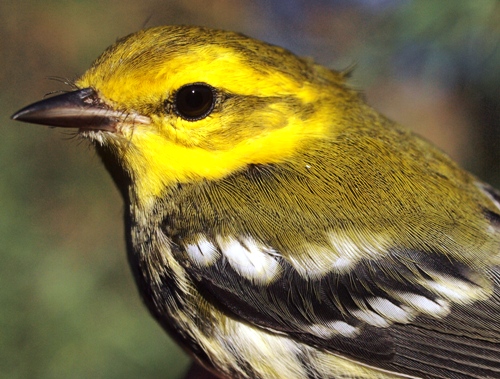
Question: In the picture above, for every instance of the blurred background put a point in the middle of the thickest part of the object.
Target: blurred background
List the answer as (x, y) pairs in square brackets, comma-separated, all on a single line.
[(68, 305)]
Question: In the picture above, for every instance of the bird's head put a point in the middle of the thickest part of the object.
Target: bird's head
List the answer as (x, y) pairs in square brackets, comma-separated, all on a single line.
[(177, 104)]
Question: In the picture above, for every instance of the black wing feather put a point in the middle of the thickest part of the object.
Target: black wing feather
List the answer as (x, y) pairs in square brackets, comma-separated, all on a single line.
[(464, 344)]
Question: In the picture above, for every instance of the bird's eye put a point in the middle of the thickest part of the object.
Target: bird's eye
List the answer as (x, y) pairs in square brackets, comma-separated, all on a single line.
[(194, 101)]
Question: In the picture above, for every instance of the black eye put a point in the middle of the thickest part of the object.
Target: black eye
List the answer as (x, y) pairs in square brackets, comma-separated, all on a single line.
[(194, 101)]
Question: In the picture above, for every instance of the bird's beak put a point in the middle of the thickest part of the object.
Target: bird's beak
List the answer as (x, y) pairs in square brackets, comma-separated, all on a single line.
[(82, 109)]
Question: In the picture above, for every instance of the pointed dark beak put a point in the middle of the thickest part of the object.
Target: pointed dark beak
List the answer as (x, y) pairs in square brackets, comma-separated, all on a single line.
[(78, 109)]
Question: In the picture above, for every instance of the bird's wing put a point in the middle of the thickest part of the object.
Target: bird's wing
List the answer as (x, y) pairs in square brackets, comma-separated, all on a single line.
[(420, 313)]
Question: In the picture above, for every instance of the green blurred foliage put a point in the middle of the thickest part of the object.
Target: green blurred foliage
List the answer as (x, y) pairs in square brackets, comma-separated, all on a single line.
[(453, 49), (68, 304)]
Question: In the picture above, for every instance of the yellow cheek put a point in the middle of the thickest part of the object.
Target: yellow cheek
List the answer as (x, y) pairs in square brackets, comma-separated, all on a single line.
[(157, 162)]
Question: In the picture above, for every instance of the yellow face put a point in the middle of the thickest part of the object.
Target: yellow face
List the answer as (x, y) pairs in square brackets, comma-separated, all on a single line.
[(252, 103)]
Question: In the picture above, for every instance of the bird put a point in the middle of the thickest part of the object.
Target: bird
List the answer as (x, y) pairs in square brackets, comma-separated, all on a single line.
[(277, 226)]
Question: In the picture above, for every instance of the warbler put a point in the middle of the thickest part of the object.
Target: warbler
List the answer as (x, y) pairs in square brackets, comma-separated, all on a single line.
[(279, 227)]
